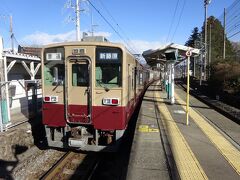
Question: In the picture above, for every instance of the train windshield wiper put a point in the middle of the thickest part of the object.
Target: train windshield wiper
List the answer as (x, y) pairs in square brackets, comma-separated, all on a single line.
[(103, 85), (57, 83)]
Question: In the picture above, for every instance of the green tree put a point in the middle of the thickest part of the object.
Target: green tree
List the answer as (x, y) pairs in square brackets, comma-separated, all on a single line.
[(194, 37), (224, 72), (194, 42), (217, 40)]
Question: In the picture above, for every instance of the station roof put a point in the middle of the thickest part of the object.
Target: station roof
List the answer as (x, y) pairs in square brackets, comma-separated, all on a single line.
[(153, 57), (21, 57)]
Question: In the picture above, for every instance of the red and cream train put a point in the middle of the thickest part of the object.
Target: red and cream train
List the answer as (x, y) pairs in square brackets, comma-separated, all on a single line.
[(90, 91)]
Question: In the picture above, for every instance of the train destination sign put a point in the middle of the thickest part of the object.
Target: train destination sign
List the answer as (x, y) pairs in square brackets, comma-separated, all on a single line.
[(53, 56), (108, 56)]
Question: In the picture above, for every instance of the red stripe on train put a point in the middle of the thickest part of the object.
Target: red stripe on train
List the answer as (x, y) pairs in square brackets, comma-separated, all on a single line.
[(103, 117)]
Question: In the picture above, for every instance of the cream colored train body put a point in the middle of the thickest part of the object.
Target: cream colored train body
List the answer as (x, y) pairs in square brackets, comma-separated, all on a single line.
[(90, 91)]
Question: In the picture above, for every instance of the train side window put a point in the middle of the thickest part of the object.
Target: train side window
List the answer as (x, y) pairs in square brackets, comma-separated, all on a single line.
[(80, 75), (141, 78), (137, 76), (133, 77)]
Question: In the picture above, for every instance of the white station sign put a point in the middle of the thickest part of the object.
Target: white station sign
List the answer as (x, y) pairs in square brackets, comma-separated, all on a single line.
[(188, 53)]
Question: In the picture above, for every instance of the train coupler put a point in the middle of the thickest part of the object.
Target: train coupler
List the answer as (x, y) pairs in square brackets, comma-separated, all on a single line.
[(78, 142)]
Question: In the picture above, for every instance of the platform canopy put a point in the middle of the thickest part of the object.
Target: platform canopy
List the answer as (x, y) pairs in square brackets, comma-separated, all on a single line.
[(153, 57)]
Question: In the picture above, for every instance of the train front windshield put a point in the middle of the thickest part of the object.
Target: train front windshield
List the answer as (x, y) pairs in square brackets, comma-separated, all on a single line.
[(108, 67), (54, 66)]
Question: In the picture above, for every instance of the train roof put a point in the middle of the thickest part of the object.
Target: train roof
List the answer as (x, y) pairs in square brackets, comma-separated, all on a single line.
[(90, 43), (86, 43)]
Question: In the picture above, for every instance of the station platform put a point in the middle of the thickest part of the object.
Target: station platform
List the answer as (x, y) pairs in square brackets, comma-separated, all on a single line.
[(164, 147)]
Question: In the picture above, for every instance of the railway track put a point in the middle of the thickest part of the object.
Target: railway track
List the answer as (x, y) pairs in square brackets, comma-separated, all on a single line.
[(73, 165), (22, 122), (221, 130), (210, 121), (227, 110), (16, 124)]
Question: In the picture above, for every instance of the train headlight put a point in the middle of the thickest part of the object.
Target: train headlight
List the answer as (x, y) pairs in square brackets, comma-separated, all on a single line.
[(111, 101)]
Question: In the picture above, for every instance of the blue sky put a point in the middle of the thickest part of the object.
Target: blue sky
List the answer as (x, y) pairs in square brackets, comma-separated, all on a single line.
[(146, 23)]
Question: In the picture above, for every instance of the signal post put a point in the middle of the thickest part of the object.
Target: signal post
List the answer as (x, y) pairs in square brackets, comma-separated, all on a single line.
[(188, 54)]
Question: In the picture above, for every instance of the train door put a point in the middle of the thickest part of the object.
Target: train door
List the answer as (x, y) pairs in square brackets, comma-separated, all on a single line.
[(135, 83), (78, 91), (129, 83)]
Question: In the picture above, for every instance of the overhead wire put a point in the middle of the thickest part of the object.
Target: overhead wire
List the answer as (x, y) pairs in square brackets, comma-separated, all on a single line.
[(5, 16), (4, 28), (114, 20), (232, 9), (232, 19), (172, 21), (233, 5), (233, 26), (179, 19), (110, 25)]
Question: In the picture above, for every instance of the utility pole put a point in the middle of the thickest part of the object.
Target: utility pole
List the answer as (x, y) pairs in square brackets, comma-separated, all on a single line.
[(224, 35), (11, 33), (1, 80), (78, 20), (210, 50), (201, 59), (92, 24), (201, 68), (199, 44), (206, 2)]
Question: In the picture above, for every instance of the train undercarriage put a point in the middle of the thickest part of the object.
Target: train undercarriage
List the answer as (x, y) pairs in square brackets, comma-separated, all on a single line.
[(84, 138)]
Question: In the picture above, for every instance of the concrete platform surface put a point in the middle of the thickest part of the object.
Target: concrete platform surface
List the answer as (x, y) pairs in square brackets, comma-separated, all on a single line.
[(148, 159), (208, 148)]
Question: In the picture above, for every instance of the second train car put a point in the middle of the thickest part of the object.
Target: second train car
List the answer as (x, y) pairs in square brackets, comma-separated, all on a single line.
[(90, 91)]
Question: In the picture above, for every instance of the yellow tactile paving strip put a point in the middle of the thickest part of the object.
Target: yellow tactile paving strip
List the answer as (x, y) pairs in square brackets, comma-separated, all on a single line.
[(231, 153), (187, 164), (147, 128)]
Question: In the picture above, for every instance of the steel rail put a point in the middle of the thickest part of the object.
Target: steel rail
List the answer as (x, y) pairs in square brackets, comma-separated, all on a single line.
[(70, 165), (221, 130)]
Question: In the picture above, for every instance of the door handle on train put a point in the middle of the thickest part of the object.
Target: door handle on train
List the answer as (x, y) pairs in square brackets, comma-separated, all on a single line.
[(86, 91)]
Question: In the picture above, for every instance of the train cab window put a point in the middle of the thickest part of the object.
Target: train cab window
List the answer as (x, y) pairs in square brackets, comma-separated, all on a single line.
[(54, 74), (80, 75), (54, 66), (108, 67)]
